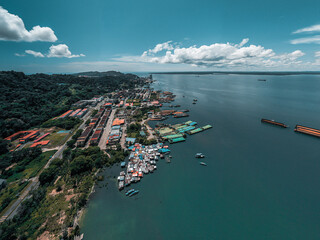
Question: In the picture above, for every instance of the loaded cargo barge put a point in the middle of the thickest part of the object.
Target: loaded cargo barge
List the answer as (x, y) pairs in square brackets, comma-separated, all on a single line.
[(306, 130), (197, 130), (273, 122)]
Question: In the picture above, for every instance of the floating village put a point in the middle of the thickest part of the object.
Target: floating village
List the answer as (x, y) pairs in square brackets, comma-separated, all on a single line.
[(143, 158)]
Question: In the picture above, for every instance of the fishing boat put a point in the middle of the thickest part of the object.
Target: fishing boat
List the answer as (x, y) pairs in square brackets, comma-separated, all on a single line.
[(133, 193), (200, 155), (195, 99), (129, 191), (194, 102), (203, 163)]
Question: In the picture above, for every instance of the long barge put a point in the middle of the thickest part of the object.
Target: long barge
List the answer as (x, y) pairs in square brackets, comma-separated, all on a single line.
[(176, 140), (307, 130), (273, 123), (181, 115)]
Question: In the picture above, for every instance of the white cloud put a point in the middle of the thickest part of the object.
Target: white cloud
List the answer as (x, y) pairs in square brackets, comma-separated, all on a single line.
[(55, 51), (286, 57), (12, 29), (160, 47), (243, 42), (317, 54), (218, 55), (60, 51), (313, 28), (19, 55), (313, 39), (35, 54)]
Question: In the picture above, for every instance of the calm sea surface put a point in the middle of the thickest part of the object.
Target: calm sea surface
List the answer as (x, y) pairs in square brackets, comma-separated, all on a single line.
[(261, 182)]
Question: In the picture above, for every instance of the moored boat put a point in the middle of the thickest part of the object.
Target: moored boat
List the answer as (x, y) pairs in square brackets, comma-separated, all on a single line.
[(133, 193), (203, 163), (129, 191)]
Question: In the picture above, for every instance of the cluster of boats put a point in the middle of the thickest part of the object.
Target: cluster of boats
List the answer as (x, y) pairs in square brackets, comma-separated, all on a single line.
[(142, 160)]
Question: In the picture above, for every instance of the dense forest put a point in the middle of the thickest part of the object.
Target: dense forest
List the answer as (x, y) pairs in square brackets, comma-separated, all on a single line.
[(30, 100)]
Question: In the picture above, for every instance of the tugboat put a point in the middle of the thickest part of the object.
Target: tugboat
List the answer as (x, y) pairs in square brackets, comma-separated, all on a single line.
[(129, 191), (203, 163), (200, 155)]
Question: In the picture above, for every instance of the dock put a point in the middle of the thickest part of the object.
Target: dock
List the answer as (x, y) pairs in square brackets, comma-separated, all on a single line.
[(307, 130)]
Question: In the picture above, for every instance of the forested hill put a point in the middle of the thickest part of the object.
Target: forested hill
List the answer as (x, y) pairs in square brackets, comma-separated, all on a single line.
[(104, 74), (29, 100)]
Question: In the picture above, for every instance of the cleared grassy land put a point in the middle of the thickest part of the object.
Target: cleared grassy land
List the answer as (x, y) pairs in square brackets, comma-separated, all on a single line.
[(58, 208), (32, 168), (56, 139)]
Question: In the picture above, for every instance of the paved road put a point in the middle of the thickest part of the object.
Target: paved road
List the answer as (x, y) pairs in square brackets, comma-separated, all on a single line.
[(123, 137), (34, 182), (107, 129)]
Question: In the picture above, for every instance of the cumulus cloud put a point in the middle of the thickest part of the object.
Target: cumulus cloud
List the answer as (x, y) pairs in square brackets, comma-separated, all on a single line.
[(160, 47), (12, 29), (289, 57), (217, 55), (313, 39), (55, 51), (60, 51), (34, 53), (310, 29)]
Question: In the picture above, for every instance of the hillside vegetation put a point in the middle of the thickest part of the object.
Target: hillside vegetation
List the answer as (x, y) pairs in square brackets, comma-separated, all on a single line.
[(30, 100)]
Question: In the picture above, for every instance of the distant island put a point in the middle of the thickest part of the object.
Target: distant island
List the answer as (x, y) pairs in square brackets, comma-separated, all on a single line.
[(243, 73)]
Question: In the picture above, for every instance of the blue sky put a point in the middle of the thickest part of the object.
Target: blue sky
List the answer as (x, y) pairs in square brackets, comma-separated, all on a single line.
[(79, 35)]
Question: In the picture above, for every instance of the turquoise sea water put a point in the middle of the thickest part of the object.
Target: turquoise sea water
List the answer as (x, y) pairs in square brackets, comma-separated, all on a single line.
[(261, 182)]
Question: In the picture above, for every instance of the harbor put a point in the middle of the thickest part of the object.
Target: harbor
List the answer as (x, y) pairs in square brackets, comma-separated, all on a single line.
[(246, 160)]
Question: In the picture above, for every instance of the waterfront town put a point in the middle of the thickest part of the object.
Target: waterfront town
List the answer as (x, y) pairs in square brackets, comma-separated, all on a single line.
[(114, 125)]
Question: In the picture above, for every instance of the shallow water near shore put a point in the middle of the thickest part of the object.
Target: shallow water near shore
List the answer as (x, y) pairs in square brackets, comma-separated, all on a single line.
[(261, 182)]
